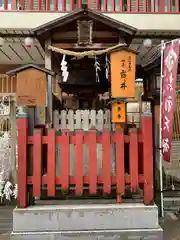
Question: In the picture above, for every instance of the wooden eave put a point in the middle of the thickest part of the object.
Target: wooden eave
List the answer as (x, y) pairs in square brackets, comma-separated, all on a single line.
[(77, 14), (124, 48), (27, 66), (152, 65)]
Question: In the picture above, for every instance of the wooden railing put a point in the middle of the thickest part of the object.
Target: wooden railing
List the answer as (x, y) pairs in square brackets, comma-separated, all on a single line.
[(125, 6), (7, 84), (138, 175)]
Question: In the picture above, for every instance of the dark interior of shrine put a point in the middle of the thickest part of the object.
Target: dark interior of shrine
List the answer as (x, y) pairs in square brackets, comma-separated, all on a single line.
[(85, 81)]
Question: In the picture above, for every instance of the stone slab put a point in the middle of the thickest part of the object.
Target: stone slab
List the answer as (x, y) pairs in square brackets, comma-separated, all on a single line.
[(88, 217), (140, 234)]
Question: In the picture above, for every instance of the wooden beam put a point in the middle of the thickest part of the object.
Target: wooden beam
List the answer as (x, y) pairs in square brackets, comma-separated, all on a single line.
[(73, 34), (48, 65), (76, 46)]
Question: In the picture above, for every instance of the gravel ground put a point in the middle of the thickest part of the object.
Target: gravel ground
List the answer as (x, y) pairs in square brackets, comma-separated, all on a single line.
[(170, 224)]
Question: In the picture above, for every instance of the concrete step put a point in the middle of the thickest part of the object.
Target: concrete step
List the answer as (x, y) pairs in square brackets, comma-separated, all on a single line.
[(85, 217), (134, 234)]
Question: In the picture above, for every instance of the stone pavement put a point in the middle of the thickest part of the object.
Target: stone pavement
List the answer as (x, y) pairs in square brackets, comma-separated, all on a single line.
[(5, 222), (171, 224)]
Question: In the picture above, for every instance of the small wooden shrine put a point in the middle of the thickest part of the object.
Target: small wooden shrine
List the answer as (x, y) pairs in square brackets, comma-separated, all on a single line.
[(84, 90)]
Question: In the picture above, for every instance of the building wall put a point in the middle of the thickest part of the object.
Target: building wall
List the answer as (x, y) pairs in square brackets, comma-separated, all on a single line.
[(30, 20)]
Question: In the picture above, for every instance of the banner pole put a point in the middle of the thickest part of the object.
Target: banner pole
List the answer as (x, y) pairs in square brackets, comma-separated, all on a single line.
[(160, 133)]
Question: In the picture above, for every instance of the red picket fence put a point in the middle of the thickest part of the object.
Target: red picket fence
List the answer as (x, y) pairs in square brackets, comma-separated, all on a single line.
[(134, 139)]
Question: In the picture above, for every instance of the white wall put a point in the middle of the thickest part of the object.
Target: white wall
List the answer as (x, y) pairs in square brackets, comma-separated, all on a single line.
[(29, 20)]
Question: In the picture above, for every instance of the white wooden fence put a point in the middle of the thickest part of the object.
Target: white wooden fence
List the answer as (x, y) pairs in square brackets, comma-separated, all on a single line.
[(82, 119), (85, 120)]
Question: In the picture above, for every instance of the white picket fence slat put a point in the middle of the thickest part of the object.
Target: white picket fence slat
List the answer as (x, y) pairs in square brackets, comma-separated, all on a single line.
[(82, 119)]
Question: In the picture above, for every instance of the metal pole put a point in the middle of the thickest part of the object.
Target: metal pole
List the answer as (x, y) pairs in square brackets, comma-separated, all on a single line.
[(160, 132)]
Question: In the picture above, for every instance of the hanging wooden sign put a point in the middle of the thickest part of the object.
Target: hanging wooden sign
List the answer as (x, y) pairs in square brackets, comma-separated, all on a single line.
[(31, 88), (123, 65), (118, 112)]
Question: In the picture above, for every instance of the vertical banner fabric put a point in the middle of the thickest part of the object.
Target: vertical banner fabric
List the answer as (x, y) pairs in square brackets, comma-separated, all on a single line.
[(169, 74)]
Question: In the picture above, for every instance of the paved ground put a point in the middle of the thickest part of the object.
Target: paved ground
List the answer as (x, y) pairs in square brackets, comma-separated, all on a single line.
[(171, 224), (5, 222)]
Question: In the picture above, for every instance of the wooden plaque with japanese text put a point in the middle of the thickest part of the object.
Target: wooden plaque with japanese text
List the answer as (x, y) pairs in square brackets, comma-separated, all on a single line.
[(31, 88), (123, 65)]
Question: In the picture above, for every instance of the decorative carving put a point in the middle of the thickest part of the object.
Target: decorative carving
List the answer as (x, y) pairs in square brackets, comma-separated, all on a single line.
[(84, 32)]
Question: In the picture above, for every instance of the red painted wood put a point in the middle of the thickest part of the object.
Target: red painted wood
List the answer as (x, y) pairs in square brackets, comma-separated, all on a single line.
[(115, 6), (22, 161), (147, 159), (128, 6), (120, 179), (105, 6), (92, 162), (55, 5), (137, 5), (5, 4), (79, 3), (72, 179), (106, 161), (113, 9), (120, 5), (89, 4), (51, 164), (39, 4), (169, 3), (65, 156), (22, 5), (37, 162), (98, 5), (85, 140), (145, 6), (63, 5), (161, 6), (47, 5), (177, 5), (30, 4), (79, 162), (133, 157), (13, 5), (71, 5)]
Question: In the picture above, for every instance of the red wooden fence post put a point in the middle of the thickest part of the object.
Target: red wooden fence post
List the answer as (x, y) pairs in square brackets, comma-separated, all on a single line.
[(65, 156), (120, 180), (13, 5), (133, 159), (92, 162), (79, 162), (161, 6), (22, 122), (147, 157), (51, 163), (106, 161), (37, 163)]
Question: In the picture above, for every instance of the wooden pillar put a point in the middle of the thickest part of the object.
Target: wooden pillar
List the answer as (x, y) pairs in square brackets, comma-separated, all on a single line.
[(48, 65), (147, 157), (22, 121), (13, 142)]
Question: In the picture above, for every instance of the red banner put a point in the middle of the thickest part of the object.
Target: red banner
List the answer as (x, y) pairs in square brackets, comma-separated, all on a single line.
[(169, 72)]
